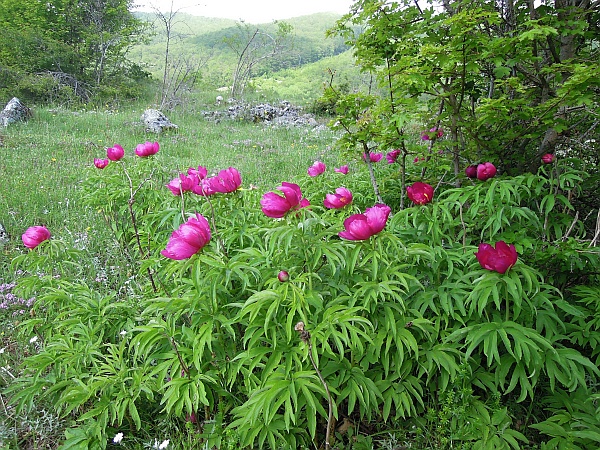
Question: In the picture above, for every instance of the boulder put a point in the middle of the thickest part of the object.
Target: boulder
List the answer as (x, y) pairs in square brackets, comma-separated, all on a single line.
[(156, 121), (14, 111)]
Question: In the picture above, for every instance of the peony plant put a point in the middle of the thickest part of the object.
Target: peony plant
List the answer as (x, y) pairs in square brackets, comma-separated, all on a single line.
[(316, 169), (390, 326), (359, 227), (276, 206), (340, 199), (188, 239), (420, 193), (34, 236)]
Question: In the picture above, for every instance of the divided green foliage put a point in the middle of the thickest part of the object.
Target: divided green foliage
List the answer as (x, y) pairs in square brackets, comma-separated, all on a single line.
[(404, 327)]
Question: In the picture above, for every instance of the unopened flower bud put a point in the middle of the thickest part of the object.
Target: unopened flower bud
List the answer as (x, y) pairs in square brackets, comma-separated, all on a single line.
[(283, 276)]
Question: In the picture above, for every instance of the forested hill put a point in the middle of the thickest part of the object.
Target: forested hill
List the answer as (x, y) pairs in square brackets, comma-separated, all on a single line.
[(204, 37)]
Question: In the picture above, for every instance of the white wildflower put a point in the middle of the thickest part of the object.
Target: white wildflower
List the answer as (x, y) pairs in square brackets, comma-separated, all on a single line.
[(123, 333), (2, 350), (164, 444), (118, 438), (33, 339)]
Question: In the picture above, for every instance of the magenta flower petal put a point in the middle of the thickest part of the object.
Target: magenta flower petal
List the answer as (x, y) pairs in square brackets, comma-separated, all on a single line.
[(203, 188), (35, 235), (373, 157), (183, 183), (188, 239), (341, 198), (498, 259), (359, 227), (147, 149), (316, 169), (276, 206), (292, 192), (393, 156), (420, 193), (433, 133), (548, 158), (486, 171), (343, 169), (377, 217), (100, 163), (200, 172), (471, 171), (227, 181), (303, 204), (115, 152)]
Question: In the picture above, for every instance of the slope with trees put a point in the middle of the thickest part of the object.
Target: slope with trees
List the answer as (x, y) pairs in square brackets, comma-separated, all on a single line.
[(73, 47)]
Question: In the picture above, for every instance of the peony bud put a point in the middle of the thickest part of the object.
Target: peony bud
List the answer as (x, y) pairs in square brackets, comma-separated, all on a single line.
[(548, 158), (283, 276)]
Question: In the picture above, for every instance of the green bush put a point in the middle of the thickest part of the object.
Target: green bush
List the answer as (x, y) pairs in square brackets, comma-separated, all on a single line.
[(403, 330)]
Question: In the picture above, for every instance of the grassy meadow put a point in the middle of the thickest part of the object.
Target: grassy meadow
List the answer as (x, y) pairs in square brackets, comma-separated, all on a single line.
[(47, 158)]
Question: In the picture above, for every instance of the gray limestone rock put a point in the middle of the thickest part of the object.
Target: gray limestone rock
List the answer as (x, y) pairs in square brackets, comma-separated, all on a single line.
[(156, 121), (14, 111)]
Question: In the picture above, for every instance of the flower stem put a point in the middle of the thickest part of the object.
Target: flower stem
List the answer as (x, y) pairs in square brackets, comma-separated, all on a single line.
[(305, 336), (132, 194)]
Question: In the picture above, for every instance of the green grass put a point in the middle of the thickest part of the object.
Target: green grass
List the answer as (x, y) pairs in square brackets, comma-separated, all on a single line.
[(46, 159)]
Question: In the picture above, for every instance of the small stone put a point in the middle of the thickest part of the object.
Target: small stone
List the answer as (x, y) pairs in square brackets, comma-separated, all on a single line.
[(156, 122)]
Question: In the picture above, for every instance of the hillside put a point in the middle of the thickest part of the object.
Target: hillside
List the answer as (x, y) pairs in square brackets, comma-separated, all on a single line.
[(200, 41)]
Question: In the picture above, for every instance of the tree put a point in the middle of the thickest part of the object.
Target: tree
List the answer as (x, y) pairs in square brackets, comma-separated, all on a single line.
[(178, 73), (80, 40), (509, 80), (254, 47)]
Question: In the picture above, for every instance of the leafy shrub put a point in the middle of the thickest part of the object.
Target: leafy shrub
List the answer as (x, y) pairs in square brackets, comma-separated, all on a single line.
[(405, 326)]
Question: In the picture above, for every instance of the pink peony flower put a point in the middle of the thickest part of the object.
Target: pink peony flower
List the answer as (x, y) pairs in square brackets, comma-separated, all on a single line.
[(283, 276), (341, 198), (359, 227), (34, 236), (548, 158), (420, 193), (115, 152), (342, 170), (316, 169), (486, 171), (100, 163), (393, 156), (432, 134), (276, 206), (228, 180), (373, 157), (498, 259), (183, 183), (203, 188), (200, 172), (188, 239), (147, 149), (471, 171)]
